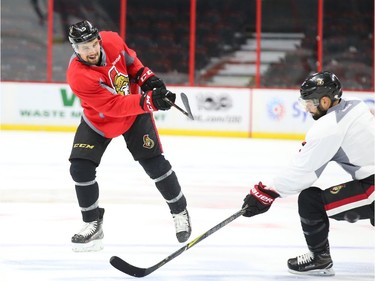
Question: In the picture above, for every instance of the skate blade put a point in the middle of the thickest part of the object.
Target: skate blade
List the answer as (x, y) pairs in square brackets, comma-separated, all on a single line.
[(315, 272), (93, 246)]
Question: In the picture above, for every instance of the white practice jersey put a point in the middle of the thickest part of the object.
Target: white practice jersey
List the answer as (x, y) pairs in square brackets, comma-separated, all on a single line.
[(345, 135)]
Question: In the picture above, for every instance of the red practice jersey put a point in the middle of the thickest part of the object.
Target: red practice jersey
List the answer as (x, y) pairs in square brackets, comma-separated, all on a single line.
[(110, 100)]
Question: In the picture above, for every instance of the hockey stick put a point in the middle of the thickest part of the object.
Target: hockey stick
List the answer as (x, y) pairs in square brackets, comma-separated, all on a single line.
[(185, 101), (132, 270), (186, 104)]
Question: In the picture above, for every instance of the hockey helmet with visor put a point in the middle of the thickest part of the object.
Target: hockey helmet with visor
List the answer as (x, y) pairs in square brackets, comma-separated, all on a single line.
[(318, 85)]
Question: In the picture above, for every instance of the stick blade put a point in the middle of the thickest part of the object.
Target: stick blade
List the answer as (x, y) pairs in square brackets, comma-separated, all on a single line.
[(185, 101), (127, 268)]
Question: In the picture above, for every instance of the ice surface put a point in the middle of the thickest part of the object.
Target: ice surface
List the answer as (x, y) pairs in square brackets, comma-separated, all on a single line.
[(39, 213)]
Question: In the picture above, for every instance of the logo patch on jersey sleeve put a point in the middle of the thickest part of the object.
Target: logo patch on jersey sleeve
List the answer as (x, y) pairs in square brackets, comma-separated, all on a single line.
[(336, 189)]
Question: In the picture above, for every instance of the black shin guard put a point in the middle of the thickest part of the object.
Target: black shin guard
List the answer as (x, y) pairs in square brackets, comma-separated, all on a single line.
[(87, 189), (160, 170), (314, 219), (88, 197), (171, 191)]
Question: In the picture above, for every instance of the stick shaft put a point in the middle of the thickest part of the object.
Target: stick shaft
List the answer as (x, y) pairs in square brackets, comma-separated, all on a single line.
[(132, 270), (176, 106)]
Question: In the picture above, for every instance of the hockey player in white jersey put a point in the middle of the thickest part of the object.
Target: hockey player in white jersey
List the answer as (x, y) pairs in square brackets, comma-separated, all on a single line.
[(343, 132)]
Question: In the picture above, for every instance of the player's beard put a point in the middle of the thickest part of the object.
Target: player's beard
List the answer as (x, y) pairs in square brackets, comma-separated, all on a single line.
[(319, 113)]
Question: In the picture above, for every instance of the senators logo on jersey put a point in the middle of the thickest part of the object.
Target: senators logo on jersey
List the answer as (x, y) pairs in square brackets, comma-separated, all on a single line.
[(120, 82), (336, 189)]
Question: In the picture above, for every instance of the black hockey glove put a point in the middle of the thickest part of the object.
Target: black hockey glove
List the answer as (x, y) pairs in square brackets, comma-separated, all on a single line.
[(154, 100), (147, 80), (259, 200)]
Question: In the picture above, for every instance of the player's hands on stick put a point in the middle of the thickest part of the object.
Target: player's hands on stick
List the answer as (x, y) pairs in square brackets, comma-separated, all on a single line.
[(156, 100), (147, 80), (259, 200)]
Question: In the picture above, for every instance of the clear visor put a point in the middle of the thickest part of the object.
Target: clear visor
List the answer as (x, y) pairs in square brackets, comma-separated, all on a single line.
[(308, 104)]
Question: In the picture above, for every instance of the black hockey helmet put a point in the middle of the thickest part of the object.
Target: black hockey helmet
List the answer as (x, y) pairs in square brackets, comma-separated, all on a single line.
[(82, 31), (321, 84)]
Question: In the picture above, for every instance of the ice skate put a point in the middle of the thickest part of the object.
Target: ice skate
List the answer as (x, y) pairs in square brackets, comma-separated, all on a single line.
[(89, 238), (312, 264), (182, 225)]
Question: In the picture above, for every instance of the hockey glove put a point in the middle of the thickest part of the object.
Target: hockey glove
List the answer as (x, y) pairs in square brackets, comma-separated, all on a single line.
[(155, 100), (259, 200), (147, 80)]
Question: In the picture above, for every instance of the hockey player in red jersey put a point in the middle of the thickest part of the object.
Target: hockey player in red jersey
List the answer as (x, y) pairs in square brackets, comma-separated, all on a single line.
[(118, 95), (344, 133)]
